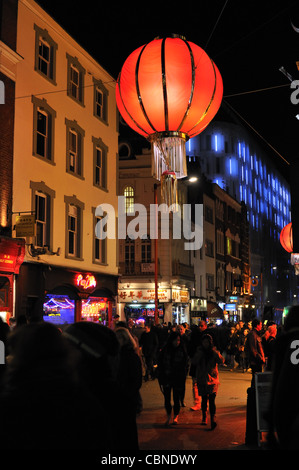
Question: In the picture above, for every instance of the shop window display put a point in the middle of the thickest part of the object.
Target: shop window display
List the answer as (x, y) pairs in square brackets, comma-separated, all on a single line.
[(95, 309), (59, 309)]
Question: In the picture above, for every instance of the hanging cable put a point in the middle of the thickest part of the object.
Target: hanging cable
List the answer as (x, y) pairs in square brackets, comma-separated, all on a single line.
[(215, 24), (251, 127), (256, 91)]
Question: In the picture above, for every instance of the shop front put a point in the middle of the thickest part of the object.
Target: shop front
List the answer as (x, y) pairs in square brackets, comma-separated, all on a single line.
[(214, 313), (65, 296), (198, 310), (180, 305), (232, 309), (138, 303), (12, 253)]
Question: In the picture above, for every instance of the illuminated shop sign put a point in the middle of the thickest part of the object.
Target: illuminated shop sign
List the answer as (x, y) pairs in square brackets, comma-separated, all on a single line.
[(180, 295), (143, 295), (230, 307), (86, 282)]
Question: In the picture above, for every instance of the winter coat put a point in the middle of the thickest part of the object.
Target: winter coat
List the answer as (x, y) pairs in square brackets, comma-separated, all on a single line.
[(255, 348), (207, 374), (149, 343), (172, 366), (129, 377)]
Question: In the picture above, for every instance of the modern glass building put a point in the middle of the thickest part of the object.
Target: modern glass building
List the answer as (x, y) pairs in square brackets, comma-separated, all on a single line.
[(233, 157)]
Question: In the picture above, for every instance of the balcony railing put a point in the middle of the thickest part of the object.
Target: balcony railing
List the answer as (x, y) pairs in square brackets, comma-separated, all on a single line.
[(182, 270), (137, 268)]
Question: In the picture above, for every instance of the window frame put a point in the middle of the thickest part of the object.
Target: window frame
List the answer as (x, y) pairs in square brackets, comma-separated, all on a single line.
[(41, 189), (73, 201), (146, 249), (98, 144), (42, 107), (74, 64), (99, 87), (72, 127), (42, 35), (129, 199)]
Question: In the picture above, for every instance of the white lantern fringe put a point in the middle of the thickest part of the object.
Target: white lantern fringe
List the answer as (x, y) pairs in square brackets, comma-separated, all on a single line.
[(169, 164)]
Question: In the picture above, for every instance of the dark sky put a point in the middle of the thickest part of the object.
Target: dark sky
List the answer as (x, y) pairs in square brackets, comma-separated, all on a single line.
[(248, 40)]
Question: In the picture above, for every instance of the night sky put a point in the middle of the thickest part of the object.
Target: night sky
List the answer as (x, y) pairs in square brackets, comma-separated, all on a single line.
[(248, 41)]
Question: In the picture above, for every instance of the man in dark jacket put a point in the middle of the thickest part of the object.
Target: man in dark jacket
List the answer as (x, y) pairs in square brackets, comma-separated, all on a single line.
[(255, 349), (149, 345)]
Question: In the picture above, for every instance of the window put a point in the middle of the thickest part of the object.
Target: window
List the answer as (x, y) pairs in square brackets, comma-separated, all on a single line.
[(146, 251), (42, 133), (220, 242), (75, 79), (100, 151), (99, 167), (129, 256), (43, 130), (42, 204), (45, 54), (209, 248), (99, 247), (41, 219), (209, 214), (229, 246), (74, 217), (129, 195), (73, 152), (209, 281), (100, 101), (72, 230), (75, 136), (44, 57), (74, 83)]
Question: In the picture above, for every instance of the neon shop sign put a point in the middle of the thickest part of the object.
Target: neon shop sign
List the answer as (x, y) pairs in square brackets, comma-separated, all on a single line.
[(85, 282)]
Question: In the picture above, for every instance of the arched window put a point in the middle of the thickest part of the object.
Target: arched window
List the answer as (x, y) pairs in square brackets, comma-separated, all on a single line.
[(129, 195)]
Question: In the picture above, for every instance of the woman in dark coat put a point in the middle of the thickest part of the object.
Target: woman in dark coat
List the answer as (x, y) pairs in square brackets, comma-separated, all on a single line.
[(206, 360), (172, 369)]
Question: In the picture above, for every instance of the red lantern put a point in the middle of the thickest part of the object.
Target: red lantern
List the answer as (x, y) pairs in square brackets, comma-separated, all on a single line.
[(168, 91), (286, 238)]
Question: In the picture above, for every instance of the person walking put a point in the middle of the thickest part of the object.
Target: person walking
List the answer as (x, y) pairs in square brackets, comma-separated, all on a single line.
[(242, 350), (185, 343), (232, 348), (172, 365), (149, 346), (269, 346), (197, 333), (255, 349), (206, 360)]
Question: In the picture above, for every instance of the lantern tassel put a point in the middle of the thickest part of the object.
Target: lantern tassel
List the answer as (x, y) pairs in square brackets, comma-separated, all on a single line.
[(169, 189), (169, 154)]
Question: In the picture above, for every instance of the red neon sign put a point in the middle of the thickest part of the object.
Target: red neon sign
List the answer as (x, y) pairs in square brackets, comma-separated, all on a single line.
[(86, 282)]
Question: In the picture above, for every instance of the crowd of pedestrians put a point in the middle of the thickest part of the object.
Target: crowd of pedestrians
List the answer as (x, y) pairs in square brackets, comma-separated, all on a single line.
[(79, 387)]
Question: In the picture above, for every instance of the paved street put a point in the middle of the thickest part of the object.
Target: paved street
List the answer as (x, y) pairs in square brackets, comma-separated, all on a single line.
[(189, 434)]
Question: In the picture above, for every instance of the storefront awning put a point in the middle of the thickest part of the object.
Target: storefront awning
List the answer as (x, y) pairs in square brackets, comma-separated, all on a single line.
[(12, 252), (103, 292), (65, 289), (214, 311)]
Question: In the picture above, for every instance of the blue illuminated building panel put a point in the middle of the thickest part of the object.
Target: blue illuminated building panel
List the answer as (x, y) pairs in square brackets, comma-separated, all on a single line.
[(244, 172)]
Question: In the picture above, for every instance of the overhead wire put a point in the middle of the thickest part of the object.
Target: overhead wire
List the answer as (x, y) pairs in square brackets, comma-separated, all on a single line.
[(212, 32), (251, 127)]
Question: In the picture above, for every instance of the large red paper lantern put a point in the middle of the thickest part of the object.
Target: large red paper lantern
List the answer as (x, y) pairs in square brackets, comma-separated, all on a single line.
[(168, 91), (286, 238)]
